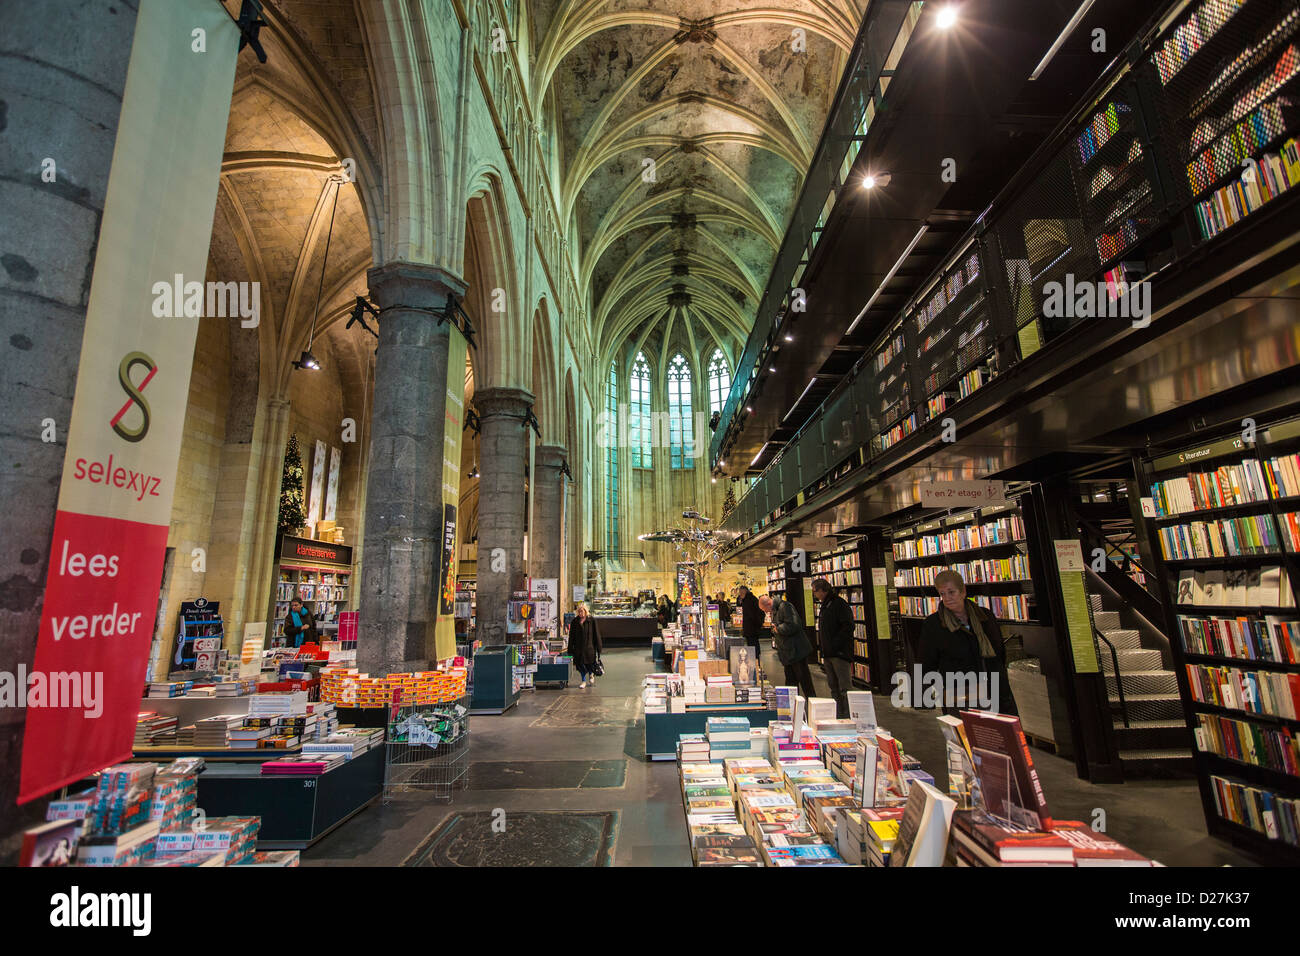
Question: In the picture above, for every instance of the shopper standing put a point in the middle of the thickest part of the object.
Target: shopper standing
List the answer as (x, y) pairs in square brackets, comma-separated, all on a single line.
[(751, 621), (724, 609), (962, 643), (299, 624), (584, 645), (835, 627), (792, 646)]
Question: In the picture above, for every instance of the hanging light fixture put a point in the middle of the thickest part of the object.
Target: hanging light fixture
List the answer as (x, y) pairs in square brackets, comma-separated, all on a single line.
[(307, 360)]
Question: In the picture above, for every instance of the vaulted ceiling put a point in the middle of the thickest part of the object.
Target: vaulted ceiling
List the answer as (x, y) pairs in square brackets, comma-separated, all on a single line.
[(685, 129)]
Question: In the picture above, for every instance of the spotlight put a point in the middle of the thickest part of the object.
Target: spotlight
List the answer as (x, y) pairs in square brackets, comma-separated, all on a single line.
[(307, 361), (749, 408), (789, 337), (872, 180), (771, 368), (947, 17)]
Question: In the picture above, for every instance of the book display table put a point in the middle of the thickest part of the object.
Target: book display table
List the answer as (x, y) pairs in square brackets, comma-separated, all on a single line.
[(662, 730), (295, 811)]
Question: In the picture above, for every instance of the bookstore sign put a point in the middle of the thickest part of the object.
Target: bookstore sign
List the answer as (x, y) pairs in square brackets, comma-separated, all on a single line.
[(128, 412), (307, 551)]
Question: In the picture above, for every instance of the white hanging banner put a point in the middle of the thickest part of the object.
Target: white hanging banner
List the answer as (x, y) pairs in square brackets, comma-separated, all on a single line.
[(958, 494)]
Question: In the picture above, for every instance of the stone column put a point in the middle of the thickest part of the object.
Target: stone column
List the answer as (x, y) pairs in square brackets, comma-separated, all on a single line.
[(64, 65), (403, 540), (502, 517), (547, 541)]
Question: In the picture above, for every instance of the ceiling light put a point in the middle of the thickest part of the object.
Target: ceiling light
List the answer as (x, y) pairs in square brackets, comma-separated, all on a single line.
[(889, 275), (800, 398), (1060, 40), (947, 17), (872, 180), (771, 368), (749, 408), (715, 479), (307, 361), (789, 337), (760, 454)]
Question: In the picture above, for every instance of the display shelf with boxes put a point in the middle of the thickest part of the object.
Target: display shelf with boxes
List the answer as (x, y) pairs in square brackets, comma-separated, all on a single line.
[(1221, 519), (988, 547), (1225, 81)]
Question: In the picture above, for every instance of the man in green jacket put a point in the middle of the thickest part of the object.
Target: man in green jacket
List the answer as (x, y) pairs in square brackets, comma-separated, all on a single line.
[(792, 645)]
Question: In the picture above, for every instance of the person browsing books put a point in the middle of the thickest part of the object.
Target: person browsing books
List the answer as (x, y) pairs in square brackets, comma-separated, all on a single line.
[(792, 645), (962, 642), (299, 625), (835, 627), (585, 645), (751, 620)]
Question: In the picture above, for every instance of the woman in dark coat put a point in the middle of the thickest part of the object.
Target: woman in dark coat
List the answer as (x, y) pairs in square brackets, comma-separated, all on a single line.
[(584, 645), (299, 624), (962, 638)]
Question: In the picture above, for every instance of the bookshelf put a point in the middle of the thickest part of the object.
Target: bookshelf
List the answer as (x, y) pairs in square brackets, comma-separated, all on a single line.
[(988, 546), (953, 336), (1227, 82), (842, 567), (320, 574), (1222, 518)]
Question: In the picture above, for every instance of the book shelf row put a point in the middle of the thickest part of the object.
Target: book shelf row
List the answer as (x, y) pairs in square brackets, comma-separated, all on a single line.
[(1006, 530), (1266, 693), (1012, 570), (1250, 743), (1008, 607), (1243, 536), (1272, 639)]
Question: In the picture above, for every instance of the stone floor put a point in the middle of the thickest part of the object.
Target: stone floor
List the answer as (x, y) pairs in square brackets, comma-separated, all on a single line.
[(568, 764)]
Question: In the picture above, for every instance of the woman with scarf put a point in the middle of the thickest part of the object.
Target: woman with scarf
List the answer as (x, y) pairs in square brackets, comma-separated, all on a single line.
[(299, 625), (962, 638)]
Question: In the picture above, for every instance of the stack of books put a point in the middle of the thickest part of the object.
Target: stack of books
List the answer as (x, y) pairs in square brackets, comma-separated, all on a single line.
[(302, 765), (169, 688), (213, 733), (728, 737), (692, 748), (979, 840), (719, 689), (712, 826), (234, 836), (149, 726), (880, 830)]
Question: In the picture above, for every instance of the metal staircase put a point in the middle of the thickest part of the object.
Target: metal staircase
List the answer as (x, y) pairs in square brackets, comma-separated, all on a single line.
[(1147, 714)]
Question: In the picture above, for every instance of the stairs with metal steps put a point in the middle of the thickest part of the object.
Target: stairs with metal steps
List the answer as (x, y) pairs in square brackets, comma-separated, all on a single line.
[(1156, 738)]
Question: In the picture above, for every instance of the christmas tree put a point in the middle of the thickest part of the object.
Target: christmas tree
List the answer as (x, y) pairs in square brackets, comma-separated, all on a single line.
[(292, 514), (729, 502)]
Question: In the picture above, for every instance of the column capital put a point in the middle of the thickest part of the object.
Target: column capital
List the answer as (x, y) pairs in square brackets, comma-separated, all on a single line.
[(551, 456), (502, 402), (413, 284)]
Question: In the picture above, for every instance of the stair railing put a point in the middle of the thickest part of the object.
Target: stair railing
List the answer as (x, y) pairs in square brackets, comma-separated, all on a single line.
[(1119, 677)]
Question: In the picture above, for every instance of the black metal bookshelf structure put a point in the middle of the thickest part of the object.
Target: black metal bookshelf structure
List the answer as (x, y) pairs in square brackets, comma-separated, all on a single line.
[(1224, 518), (1157, 170)]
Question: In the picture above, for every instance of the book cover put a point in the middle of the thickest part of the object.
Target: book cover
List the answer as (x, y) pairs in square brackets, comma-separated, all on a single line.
[(1092, 848), (923, 833), (50, 844), (1000, 749)]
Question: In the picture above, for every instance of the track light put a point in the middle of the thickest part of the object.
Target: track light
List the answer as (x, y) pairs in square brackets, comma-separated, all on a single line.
[(947, 16), (872, 180), (307, 361)]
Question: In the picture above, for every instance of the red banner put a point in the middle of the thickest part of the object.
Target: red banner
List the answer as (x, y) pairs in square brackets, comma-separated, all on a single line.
[(101, 596), (128, 414)]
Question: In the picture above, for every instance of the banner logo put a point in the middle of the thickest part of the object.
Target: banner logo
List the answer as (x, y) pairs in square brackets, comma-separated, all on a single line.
[(131, 360)]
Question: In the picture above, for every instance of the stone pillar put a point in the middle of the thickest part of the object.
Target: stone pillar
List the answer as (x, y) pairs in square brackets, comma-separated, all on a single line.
[(64, 65), (502, 516), (403, 541), (546, 543)]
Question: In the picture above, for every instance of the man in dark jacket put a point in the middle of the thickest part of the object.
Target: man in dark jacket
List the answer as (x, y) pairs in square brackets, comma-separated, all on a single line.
[(962, 644), (835, 628), (792, 645), (751, 622)]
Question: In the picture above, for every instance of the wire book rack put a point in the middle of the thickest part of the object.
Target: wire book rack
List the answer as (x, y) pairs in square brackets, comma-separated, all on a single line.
[(437, 767)]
